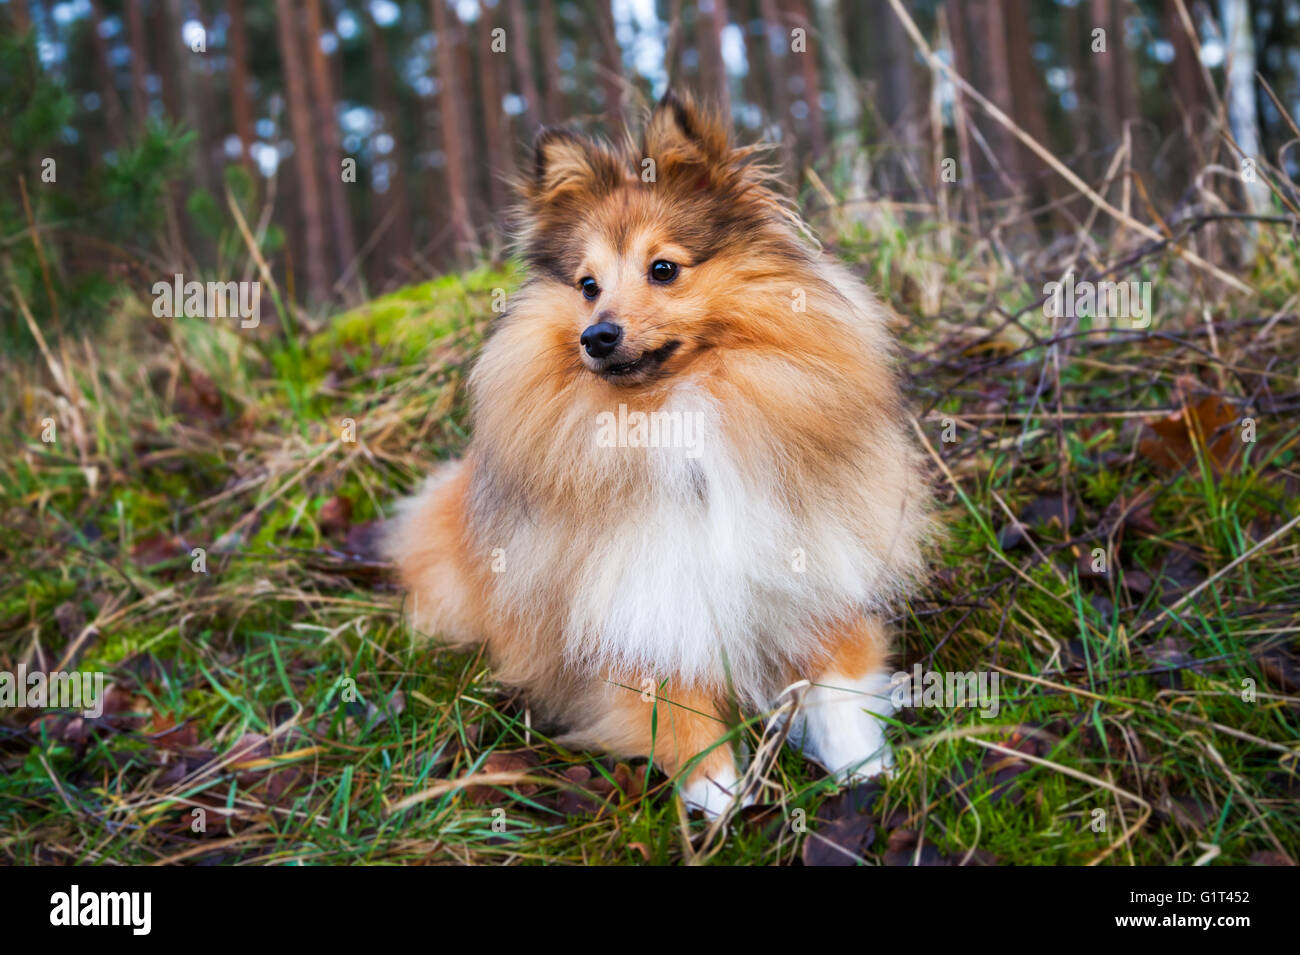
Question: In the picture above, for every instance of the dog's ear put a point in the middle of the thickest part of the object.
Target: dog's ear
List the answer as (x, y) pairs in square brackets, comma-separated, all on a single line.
[(680, 131), (565, 163), (692, 150)]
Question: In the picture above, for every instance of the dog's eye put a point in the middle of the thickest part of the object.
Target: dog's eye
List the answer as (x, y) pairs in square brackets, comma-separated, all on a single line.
[(663, 271), (589, 288)]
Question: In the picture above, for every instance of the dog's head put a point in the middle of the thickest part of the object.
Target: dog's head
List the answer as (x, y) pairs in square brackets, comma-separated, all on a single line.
[(648, 253)]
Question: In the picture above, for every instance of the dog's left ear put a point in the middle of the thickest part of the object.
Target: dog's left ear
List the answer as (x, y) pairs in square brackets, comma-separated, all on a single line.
[(691, 148), (681, 131)]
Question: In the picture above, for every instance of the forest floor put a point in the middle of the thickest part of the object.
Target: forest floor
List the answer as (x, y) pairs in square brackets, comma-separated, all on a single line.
[(1121, 508)]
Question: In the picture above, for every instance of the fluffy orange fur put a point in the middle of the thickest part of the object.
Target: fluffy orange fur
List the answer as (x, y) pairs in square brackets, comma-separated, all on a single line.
[(713, 576)]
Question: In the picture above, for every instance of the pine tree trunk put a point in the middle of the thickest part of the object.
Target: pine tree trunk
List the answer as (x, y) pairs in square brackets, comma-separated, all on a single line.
[(139, 66), (326, 119), (104, 69), (396, 201), (777, 39), (521, 53), (1029, 103), (22, 18), (815, 123), (552, 108), (713, 69), (240, 106), (674, 44), (851, 170), (611, 65), (305, 152), (456, 211), (494, 125)]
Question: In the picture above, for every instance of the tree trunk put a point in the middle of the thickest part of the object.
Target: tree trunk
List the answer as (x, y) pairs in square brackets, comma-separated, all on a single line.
[(1105, 72), (139, 67), (611, 65), (1029, 102), (494, 126), (757, 54), (185, 99), (849, 158), (22, 18), (304, 150), (326, 118), (552, 110), (166, 38), (522, 55), (104, 69), (673, 46), (713, 68), (815, 122), (447, 27), (989, 31), (395, 203), (777, 37), (205, 107), (954, 17), (1239, 94), (240, 105)]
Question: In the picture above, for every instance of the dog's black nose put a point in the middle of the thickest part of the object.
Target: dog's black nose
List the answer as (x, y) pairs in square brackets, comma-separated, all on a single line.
[(601, 339)]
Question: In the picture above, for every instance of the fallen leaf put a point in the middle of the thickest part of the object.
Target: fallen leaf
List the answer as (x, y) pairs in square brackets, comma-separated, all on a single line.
[(846, 828), (498, 762), (335, 516), (1046, 511), (1170, 443), (157, 549), (166, 734), (901, 850)]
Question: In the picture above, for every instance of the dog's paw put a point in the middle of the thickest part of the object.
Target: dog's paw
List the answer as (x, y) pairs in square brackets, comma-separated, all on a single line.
[(840, 725), (711, 794)]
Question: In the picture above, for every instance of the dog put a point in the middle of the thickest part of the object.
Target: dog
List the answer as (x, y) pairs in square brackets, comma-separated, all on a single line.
[(691, 482)]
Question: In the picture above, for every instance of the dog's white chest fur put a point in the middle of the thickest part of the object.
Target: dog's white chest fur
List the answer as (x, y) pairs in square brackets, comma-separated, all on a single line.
[(707, 576)]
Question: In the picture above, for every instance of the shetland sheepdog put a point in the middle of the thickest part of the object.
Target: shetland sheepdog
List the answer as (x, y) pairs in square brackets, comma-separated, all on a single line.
[(691, 483)]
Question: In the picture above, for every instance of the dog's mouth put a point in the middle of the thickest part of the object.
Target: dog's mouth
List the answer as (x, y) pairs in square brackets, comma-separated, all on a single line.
[(647, 364)]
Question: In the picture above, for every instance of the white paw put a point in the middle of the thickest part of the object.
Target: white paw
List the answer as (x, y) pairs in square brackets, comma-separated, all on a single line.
[(712, 794), (839, 725)]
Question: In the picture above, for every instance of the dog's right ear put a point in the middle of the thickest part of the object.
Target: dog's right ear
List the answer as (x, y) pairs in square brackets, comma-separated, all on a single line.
[(565, 163)]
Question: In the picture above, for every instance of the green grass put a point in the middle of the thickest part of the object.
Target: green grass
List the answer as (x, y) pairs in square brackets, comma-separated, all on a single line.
[(188, 434)]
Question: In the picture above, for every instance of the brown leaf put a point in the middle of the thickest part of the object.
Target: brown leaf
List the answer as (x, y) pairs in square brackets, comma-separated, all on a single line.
[(1171, 442), (628, 780), (1188, 813), (198, 401), (335, 516), (247, 749), (1049, 510), (901, 850), (846, 828), (1281, 670), (164, 731), (520, 762), (576, 802), (157, 549)]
